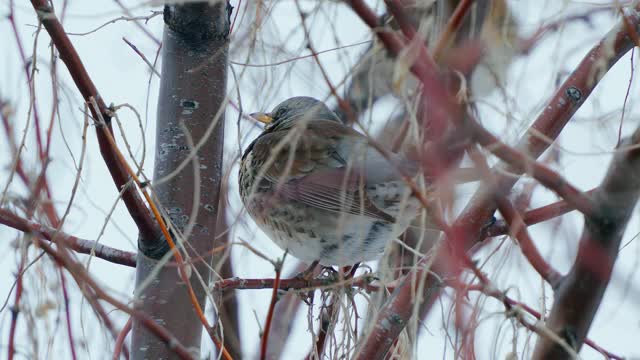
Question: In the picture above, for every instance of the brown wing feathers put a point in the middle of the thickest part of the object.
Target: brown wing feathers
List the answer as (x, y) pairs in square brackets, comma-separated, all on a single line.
[(317, 175)]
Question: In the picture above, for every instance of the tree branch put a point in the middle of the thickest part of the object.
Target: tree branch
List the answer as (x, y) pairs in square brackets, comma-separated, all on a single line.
[(535, 216), (395, 314), (136, 207), (579, 295), (93, 292), (517, 226), (74, 243)]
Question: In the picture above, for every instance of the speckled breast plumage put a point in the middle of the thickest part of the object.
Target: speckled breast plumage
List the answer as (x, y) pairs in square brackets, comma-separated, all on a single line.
[(332, 238)]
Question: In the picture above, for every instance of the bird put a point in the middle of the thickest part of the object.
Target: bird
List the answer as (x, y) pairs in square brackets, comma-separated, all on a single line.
[(321, 190)]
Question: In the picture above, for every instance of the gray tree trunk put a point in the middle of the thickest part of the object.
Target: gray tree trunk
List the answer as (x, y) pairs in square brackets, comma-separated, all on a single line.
[(191, 101)]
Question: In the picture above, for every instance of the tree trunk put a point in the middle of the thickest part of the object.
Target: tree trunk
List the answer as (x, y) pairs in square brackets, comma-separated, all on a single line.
[(190, 111)]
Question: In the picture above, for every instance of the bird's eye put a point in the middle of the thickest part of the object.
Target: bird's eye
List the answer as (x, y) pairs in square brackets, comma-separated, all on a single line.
[(279, 113)]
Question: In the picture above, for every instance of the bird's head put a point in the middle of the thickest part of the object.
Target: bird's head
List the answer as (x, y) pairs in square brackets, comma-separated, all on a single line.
[(294, 111)]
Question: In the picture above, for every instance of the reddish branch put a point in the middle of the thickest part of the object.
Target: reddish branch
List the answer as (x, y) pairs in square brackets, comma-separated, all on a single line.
[(272, 306), (559, 110), (534, 216), (92, 292), (287, 309), (575, 304), (517, 226), (119, 345), (72, 242), (65, 296), (519, 163), (519, 229), (395, 314), (296, 284), (64, 242), (68, 54), (15, 310)]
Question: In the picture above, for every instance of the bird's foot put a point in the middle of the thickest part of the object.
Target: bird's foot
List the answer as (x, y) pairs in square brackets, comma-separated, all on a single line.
[(350, 271), (308, 273), (328, 272), (345, 273)]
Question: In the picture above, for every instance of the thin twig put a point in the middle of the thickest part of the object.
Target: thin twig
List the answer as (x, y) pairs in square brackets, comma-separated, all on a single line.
[(113, 21), (120, 341), (342, 103), (65, 296), (144, 58), (272, 306)]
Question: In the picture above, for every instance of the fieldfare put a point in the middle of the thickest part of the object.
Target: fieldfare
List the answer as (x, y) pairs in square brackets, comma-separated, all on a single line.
[(322, 190)]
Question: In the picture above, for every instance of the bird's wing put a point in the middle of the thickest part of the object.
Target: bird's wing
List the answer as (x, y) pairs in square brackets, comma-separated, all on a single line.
[(328, 166)]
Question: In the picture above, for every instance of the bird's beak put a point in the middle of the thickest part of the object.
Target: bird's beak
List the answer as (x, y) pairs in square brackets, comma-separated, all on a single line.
[(264, 118)]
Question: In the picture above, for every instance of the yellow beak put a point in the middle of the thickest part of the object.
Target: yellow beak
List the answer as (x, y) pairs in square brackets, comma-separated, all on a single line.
[(262, 117)]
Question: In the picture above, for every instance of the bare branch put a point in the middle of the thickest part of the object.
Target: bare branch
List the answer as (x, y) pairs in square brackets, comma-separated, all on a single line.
[(535, 216), (395, 314), (93, 292), (74, 243), (68, 54), (579, 295)]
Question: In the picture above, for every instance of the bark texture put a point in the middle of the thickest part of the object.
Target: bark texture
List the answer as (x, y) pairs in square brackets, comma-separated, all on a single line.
[(189, 145)]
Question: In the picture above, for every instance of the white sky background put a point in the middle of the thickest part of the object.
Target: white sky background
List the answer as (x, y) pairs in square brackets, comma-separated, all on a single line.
[(122, 77)]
